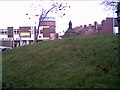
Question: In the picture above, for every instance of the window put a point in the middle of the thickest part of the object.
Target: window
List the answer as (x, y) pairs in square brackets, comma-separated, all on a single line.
[(3, 32), (41, 31), (16, 31)]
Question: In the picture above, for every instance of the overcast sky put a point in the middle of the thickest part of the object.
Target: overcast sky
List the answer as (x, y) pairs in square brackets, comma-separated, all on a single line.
[(13, 13)]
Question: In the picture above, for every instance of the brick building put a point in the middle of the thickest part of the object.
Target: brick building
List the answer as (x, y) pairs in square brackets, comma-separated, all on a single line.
[(105, 28), (16, 37), (47, 28), (26, 34)]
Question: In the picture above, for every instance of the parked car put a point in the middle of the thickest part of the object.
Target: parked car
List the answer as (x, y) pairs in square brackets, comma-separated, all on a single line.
[(3, 48)]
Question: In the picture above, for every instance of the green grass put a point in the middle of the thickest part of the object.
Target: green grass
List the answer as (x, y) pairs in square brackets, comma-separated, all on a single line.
[(76, 62)]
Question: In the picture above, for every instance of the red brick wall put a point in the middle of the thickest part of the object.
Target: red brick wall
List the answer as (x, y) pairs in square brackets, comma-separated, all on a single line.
[(7, 43), (24, 29), (107, 28), (10, 31), (47, 23), (51, 29), (91, 32), (46, 32)]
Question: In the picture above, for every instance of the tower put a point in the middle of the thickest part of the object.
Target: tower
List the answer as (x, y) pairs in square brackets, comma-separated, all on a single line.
[(70, 31)]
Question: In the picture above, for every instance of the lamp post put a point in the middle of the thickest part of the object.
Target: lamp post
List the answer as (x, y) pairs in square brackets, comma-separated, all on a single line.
[(113, 8), (118, 16)]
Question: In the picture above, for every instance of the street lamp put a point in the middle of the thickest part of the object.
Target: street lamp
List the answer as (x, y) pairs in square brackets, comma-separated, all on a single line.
[(118, 16), (113, 8)]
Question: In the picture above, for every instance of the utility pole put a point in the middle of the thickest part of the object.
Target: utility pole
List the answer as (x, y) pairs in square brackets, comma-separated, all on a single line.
[(13, 38), (113, 9), (118, 16)]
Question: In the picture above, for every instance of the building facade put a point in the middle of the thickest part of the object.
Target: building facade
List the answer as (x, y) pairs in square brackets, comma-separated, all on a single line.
[(26, 34), (105, 28), (47, 28), (17, 37)]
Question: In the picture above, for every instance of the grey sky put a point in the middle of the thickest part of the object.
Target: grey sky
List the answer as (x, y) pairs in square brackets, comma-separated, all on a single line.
[(12, 13)]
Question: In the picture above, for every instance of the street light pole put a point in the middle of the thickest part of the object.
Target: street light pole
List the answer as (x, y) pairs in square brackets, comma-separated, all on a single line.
[(118, 16), (113, 9), (113, 20)]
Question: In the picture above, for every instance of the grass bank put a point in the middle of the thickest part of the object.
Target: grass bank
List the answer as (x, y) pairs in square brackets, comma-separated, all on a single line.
[(76, 62)]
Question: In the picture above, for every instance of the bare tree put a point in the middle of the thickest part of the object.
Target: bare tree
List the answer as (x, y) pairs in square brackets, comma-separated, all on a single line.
[(110, 4), (55, 6)]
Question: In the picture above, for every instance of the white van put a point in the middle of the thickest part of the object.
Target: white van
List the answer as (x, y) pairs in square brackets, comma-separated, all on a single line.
[(3, 48)]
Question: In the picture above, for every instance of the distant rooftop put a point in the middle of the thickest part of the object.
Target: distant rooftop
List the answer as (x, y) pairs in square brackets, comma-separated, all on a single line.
[(48, 19)]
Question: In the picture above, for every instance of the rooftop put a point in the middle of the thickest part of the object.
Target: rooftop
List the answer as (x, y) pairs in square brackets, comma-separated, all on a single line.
[(48, 19)]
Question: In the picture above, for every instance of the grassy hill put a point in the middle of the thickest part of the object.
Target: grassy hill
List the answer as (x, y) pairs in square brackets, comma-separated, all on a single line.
[(76, 62)]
